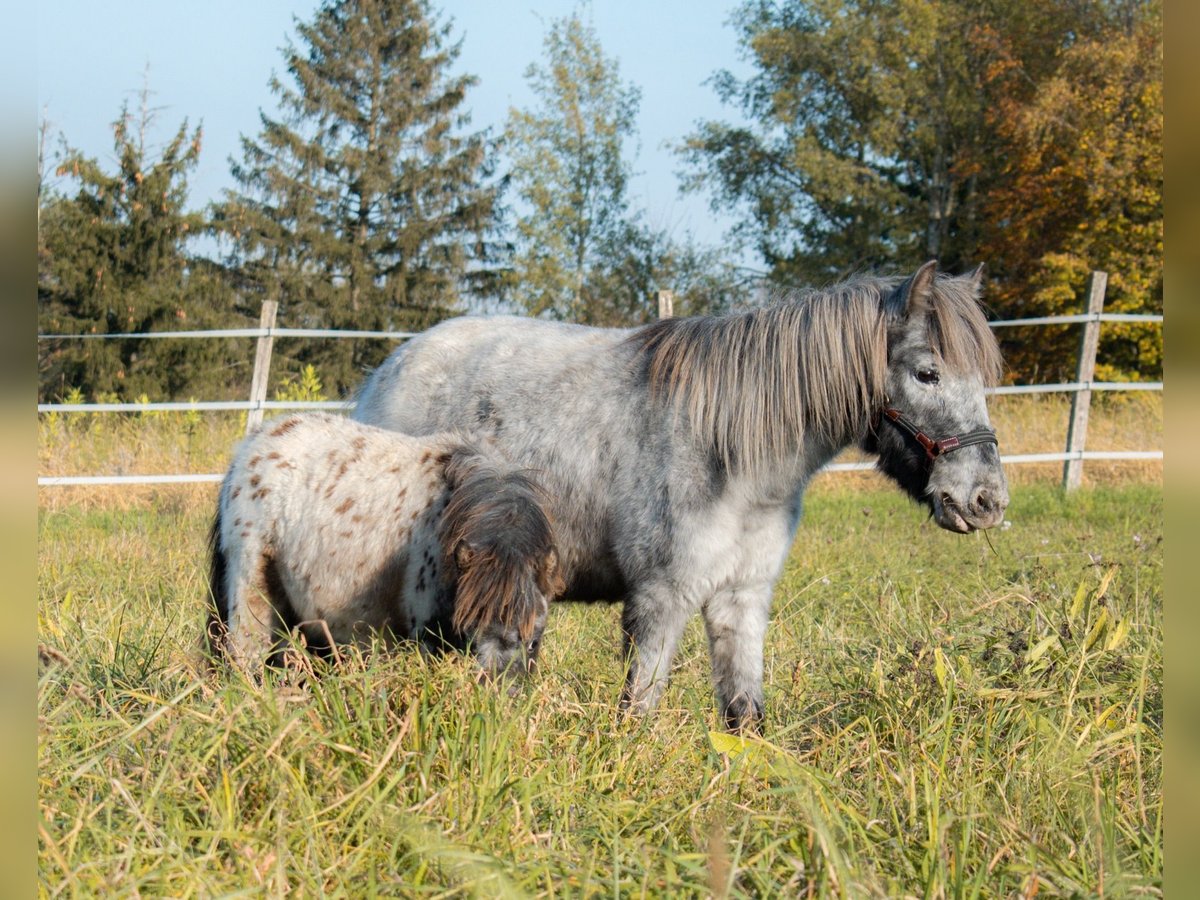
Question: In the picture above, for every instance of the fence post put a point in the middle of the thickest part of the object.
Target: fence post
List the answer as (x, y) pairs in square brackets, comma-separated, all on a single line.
[(262, 364), (666, 304), (1085, 371)]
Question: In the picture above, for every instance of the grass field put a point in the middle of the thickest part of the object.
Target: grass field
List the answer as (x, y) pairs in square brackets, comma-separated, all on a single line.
[(947, 716)]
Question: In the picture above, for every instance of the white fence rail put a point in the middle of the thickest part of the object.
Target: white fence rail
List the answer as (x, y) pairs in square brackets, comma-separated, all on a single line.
[(1073, 455)]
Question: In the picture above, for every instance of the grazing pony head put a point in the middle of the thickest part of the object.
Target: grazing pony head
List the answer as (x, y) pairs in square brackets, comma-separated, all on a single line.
[(499, 557), (932, 434)]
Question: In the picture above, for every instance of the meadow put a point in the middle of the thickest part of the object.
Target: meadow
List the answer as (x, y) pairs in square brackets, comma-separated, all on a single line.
[(947, 716)]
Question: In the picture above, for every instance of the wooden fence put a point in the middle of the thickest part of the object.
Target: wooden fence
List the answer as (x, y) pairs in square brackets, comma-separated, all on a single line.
[(1073, 456)]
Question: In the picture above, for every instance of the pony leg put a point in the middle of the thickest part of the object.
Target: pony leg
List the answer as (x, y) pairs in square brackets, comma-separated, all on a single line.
[(736, 622), (252, 617), (652, 624)]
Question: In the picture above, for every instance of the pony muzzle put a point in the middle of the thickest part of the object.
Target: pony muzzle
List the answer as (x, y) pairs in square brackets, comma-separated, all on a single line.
[(984, 510)]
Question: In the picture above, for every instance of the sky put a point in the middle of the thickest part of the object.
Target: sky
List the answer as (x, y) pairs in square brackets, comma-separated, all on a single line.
[(210, 62)]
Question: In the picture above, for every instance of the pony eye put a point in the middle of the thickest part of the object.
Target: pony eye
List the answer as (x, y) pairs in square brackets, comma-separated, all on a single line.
[(928, 376)]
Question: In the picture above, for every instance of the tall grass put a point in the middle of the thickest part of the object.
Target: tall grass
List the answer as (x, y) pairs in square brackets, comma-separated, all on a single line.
[(947, 717)]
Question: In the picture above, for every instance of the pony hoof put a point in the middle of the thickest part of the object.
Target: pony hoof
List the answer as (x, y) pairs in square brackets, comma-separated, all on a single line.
[(743, 715)]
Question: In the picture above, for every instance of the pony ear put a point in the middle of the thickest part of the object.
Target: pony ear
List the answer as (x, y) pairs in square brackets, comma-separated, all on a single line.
[(455, 464), (464, 555), (913, 296), (552, 580), (977, 276)]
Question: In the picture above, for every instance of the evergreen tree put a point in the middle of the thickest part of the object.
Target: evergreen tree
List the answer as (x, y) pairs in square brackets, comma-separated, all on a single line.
[(112, 259), (365, 205), (570, 174)]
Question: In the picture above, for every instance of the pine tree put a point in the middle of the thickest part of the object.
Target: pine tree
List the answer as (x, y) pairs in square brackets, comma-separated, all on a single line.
[(364, 205), (113, 259)]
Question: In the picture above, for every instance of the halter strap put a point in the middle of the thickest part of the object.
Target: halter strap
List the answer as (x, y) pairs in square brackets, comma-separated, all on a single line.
[(933, 447)]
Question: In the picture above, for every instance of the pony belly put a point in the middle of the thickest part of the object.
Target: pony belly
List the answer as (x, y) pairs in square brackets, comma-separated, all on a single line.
[(349, 605)]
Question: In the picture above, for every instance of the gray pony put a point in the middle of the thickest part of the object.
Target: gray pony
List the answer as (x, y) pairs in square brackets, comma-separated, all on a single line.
[(676, 455)]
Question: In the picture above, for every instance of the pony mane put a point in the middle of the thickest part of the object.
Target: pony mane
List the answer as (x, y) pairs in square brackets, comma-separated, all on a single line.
[(757, 382), (499, 512)]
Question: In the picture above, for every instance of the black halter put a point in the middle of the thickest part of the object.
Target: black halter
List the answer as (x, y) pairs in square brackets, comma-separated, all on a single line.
[(935, 448)]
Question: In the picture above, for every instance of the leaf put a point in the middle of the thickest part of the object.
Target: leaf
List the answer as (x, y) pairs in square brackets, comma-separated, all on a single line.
[(1039, 649), (1104, 583), (1104, 716), (939, 666), (1117, 637), (1097, 630), (877, 679), (728, 744), (1077, 603)]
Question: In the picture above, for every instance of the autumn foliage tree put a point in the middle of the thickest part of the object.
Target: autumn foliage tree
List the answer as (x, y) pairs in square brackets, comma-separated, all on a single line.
[(1026, 136), (859, 118), (1080, 187)]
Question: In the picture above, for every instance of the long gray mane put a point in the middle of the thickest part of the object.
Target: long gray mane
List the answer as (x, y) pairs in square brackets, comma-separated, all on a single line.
[(815, 362)]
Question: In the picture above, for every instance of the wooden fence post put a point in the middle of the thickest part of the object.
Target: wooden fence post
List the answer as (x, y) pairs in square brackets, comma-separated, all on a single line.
[(1085, 371), (262, 364), (666, 304)]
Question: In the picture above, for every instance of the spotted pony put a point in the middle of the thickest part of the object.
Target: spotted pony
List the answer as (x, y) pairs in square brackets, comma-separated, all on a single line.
[(345, 532)]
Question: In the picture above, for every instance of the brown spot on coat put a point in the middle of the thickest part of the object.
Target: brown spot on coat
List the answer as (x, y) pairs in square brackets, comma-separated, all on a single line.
[(274, 454), (284, 427), (344, 506), (260, 493), (236, 491), (254, 461), (254, 480)]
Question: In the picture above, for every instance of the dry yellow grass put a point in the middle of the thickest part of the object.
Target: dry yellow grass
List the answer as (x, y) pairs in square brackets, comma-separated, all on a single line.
[(95, 444)]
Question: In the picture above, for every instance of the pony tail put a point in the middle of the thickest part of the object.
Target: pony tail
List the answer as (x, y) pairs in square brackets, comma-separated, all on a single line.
[(217, 621)]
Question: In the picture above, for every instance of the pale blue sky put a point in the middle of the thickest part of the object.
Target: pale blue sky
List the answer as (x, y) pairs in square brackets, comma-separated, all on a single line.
[(210, 61)]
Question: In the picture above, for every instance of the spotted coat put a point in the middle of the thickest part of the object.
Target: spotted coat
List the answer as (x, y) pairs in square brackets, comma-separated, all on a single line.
[(334, 527)]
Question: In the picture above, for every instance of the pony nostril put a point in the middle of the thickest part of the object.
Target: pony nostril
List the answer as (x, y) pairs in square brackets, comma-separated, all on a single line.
[(986, 502)]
